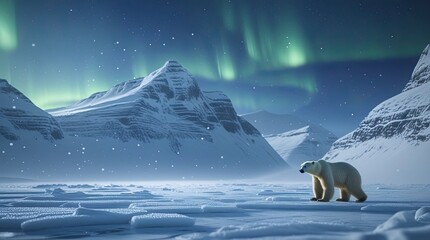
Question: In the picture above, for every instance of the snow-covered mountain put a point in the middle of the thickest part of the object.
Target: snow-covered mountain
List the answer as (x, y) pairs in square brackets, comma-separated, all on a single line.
[(393, 142), (162, 125), (20, 118), (296, 140), (168, 104), (297, 146)]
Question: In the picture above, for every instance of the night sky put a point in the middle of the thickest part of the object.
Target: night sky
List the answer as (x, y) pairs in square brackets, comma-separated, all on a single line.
[(327, 61)]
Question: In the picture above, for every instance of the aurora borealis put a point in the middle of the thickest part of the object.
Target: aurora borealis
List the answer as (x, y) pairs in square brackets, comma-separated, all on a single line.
[(272, 55)]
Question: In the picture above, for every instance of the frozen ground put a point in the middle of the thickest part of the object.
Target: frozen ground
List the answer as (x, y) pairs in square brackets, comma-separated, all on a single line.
[(208, 211)]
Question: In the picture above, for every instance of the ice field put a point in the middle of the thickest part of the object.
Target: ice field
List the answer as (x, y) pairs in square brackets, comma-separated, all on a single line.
[(208, 210)]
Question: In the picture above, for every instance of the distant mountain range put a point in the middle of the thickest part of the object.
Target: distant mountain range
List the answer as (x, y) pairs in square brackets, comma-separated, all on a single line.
[(158, 127), (164, 127), (392, 144), (294, 139), (270, 123), (303, 144)]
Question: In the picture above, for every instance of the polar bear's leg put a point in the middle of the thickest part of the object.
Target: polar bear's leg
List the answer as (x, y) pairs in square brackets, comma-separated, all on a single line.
[(327, 195), (344, 195), (317, 188), (327, 183)]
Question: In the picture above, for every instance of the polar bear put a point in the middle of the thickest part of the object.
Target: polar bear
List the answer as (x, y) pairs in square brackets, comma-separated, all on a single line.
[(327, 175)]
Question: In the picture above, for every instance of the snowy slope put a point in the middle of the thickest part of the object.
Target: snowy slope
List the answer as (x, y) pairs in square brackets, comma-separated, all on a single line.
[(19, 117), (158, 127), (297, 146), (395, 136)]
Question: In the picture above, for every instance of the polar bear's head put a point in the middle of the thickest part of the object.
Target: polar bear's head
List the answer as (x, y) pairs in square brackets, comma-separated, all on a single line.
[(310, 167)]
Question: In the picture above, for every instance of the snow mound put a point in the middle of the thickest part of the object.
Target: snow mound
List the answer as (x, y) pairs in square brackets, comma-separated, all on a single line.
[(35, 203), (59, 193), (403, 219), (161, 220), (270, 229), (45, 186), (268, 192), (422, 215), (81, 217), (388, 207), (282, 198), (214, 192), (220, 209), (52, 222), (13, 217), (111, 189), (415, 233), (145, 193), (174, 209), (98, 203), (157, 204), (305, 206), (81, 186)]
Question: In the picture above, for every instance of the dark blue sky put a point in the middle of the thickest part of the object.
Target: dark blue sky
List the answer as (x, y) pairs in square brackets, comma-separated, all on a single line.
[(327, 61)]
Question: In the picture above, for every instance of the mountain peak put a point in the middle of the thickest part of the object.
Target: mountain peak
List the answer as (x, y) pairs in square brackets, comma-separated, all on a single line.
[(172, 63), (172, 66), (421, 73)]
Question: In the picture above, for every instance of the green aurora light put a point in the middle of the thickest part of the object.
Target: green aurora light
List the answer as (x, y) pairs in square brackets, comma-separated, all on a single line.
[(8, 35), (221, 42)]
